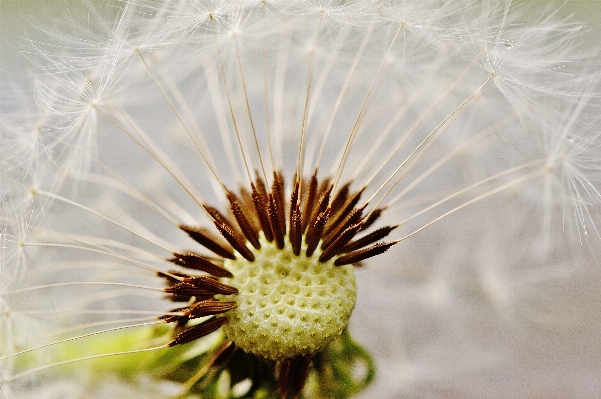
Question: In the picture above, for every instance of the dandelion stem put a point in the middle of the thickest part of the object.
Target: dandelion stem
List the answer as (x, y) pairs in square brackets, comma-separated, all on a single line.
[(499, 189), (118, 321), (343, 90), (355, 128), (70, 202), (427, 138), (303, 135), (155, 153), (252, 125), (413, 129), (179, 117), (128, 189), (108, 253), (39, 287), (64, 362), (80, 337), (231, 108), (473, 186)]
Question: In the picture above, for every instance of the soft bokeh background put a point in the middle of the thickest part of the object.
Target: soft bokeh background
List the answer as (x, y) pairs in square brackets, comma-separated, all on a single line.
[(15, 15), (20, 17)]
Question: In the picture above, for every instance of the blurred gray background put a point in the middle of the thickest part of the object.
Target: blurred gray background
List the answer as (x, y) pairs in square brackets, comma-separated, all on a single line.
[(17, 17)]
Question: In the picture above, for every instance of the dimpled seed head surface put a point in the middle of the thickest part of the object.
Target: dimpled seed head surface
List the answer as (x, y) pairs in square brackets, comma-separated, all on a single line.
[(288, 305)]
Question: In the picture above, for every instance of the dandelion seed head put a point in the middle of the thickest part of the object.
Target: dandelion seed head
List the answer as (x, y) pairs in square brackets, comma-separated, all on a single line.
[(175, 169)]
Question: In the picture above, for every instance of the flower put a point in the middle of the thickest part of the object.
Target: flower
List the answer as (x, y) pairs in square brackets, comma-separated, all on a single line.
[(238, 158)]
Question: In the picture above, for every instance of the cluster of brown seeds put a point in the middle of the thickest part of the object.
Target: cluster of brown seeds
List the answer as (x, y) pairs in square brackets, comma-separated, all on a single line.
[(315, 225)]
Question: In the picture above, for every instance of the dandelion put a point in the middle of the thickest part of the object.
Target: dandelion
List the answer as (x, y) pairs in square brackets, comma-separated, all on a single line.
[(186, 213)]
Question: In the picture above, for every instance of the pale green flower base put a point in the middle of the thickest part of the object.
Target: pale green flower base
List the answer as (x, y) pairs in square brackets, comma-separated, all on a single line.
[(341, 371), (288, 305)]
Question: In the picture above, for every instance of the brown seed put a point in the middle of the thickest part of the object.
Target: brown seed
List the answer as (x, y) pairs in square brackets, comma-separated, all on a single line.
[(209, 307), (368, 239), (248, 230), (259, 197), (198, 331), (277, 190), (358, 256), (296, 234), (236, 242), (310, 199), (210, 284), (209, 241), (315, 231), (338, 244), (274, 219), (292, 375), (194, 261), (344, 223), (189, 290)]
